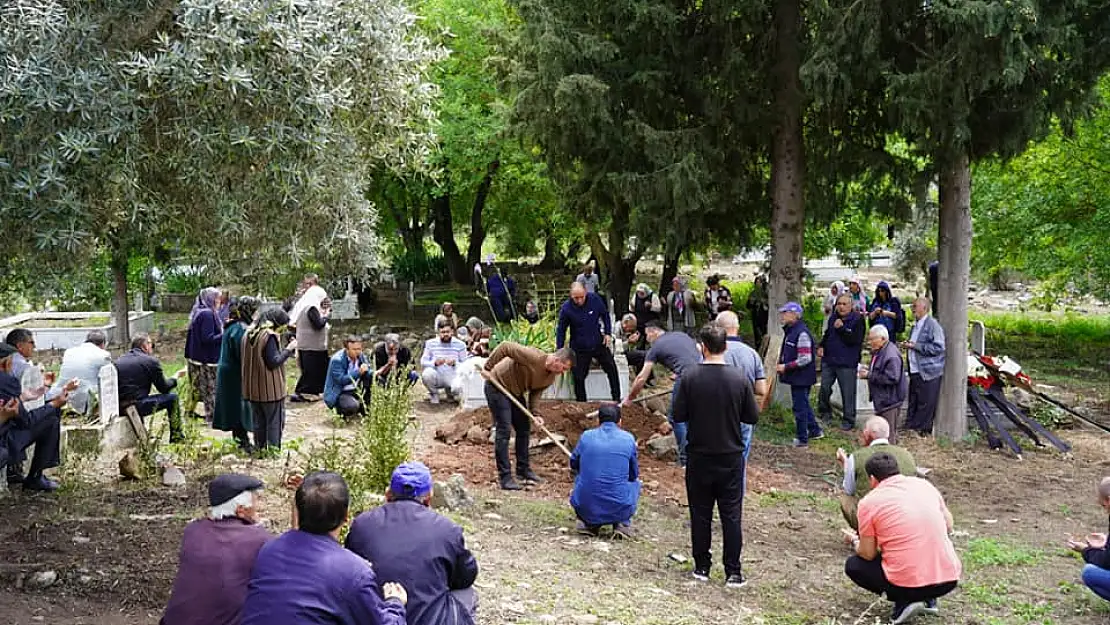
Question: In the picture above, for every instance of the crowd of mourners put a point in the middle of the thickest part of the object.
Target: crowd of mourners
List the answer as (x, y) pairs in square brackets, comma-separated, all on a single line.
[(403, 562)]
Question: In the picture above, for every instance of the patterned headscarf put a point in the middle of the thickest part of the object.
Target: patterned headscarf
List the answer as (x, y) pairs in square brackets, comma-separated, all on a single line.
[(206, 300)]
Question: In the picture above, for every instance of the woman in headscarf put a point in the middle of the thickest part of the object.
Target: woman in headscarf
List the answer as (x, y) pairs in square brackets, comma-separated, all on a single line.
[(759, 308), (829, 305), (233, 413), (447, 313), (860, 302), (645, 305), (202, 348), (887, 311), (310, 319), (680, 307), (263, 375)]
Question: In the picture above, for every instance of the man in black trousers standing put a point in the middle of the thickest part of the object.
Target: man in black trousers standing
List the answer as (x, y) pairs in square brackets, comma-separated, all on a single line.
[(714, 400)]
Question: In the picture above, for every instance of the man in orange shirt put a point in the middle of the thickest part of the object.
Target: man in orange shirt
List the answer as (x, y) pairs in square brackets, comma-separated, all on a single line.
[(905, 518)]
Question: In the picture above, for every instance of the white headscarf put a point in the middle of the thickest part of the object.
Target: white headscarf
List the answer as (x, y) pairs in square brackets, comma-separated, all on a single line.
[(313, 297)]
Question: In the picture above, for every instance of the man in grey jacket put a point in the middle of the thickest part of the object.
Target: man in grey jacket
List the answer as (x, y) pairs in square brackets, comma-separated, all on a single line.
[(884, 378), (925, 351)]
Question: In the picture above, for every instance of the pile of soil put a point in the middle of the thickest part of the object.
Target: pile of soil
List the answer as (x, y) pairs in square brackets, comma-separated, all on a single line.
[(566, 418)]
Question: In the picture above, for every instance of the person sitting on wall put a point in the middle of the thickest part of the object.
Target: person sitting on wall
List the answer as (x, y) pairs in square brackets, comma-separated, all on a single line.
[(137, 371), (83, 363)]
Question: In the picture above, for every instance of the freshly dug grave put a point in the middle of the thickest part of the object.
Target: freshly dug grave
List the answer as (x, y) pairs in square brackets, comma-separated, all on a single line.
[(561, 417)]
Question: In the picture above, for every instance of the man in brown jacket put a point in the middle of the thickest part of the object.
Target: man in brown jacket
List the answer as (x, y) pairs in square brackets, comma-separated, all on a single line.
[(520, 370)]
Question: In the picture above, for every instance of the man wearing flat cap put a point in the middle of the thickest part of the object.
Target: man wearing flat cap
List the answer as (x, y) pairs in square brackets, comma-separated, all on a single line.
[(607, 475), (20, 428), (217, 554), (409, 543)]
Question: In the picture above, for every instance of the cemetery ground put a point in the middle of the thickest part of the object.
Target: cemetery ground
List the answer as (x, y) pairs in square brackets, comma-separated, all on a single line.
[(105, 551)]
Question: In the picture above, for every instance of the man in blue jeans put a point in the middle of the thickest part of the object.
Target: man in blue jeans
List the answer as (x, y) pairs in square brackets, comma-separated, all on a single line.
[(798, 370), (677, 352), (739, 355), (1096, 573)]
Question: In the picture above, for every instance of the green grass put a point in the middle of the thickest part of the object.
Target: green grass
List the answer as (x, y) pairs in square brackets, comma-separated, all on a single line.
[(1068, 326), (983, 552), (994, 595)]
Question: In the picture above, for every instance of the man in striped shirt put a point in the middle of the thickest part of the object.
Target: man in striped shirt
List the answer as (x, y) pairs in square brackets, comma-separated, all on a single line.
[(441, 356)]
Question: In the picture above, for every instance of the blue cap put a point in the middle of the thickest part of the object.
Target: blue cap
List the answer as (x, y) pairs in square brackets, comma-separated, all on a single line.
[(411, 479), (793, 307)]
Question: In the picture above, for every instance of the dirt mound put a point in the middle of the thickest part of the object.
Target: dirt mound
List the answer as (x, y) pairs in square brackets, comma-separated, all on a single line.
[(566, 418)]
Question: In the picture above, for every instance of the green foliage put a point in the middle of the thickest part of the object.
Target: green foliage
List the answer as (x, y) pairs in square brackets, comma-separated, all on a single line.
[(540, 335), (197, 126), (184, 280), (853, 234), (380, 442), (419, 267), (983, 552), (1069, 329), (1046, 213)]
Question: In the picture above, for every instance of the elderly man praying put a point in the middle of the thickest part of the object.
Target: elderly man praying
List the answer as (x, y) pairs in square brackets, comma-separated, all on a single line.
[(217, 554)]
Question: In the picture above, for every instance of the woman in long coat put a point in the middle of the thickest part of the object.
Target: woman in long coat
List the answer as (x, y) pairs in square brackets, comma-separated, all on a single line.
[(202, 348), (232, 412)]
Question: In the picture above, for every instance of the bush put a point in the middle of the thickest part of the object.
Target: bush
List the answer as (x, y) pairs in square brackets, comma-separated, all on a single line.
[(541, 335), (419, 267), (366, 461)]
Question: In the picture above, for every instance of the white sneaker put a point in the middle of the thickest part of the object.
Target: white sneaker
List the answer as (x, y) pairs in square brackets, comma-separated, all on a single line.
[(434, 398)]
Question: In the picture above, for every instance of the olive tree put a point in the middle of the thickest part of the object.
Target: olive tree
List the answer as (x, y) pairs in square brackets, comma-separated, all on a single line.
[(242, 129)]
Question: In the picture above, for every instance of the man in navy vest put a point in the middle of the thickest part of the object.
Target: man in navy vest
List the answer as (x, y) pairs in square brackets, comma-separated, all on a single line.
[(798, 370)]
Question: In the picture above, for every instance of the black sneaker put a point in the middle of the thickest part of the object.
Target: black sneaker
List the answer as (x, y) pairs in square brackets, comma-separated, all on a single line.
[(40, 483), (702, 575), (905, 611), (585, 530), (931, 607), (736, 580), (530, 476), (510, 484), (15, 477)]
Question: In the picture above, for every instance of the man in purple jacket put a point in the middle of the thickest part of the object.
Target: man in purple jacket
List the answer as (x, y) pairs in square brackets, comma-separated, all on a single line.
[(305, 577), (217, 554), (408, 542), (885, 379)]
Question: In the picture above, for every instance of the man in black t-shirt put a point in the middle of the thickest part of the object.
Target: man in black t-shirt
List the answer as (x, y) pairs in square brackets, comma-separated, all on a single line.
[(713, 399)]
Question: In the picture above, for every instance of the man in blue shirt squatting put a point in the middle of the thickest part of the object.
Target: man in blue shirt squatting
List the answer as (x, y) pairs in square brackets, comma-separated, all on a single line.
[(606, 483)]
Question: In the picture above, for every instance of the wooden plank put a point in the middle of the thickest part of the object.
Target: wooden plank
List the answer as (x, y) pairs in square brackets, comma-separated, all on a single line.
[(137, 425), (770, 361)]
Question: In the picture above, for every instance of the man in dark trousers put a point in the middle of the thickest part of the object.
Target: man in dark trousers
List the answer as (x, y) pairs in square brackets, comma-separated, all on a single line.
[(584, 314), (798, 370), (677, 352), (409, 543), (714, 401), (521, 371), (839, 351), (137, 371)]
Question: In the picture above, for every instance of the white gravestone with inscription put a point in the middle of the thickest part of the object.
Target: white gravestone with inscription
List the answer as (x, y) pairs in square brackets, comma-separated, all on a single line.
[(109, 394)]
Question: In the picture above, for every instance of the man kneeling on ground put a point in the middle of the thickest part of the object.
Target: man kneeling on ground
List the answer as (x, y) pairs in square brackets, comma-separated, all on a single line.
[(874, 439), (906, 520), (408, 542), (607, 475), (1096, 573), (217, 554), (347, 387)]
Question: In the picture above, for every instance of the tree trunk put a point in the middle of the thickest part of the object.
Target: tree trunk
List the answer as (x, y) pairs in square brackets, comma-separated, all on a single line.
[(787, 164), (477, 228), (411, 226), (552, 256), (120, 305), (954, 251), (670, 270), (444, 234), (615, 263)]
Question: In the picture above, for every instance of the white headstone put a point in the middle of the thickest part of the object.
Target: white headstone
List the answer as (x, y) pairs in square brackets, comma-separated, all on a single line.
[(978, 337), (109, 393), (137, 306)]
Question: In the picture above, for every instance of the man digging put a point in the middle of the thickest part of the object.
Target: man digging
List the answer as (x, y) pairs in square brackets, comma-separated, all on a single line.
[(519, 370)]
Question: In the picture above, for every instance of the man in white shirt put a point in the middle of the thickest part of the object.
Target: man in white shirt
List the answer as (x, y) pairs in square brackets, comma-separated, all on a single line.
[(441, 356), (83, 363), (589, 279)]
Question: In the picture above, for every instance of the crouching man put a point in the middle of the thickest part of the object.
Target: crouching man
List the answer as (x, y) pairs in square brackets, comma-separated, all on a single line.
[(409, 543), (906, 520), (1096, 573), (217, 554), (607, 475)]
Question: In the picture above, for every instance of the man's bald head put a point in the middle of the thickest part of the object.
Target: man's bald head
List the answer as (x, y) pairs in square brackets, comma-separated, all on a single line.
[(874, 429), (729, 321), (578, 294), (1104, 489)]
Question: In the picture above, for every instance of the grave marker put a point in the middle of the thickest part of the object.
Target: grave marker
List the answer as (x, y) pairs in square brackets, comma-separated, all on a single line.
[(109, 393)]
